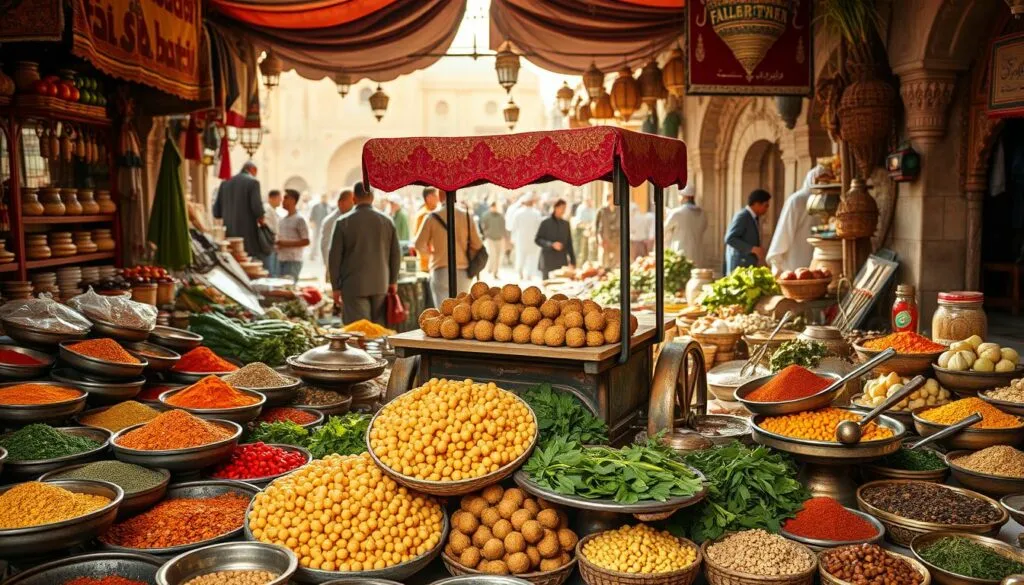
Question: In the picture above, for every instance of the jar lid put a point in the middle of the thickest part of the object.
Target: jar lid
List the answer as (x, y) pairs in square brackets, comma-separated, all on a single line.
[(337, 354), (962, 296), (905, 289)]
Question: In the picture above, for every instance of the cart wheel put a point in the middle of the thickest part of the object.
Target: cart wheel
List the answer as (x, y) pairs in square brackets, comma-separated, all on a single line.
[(403, 377), (679, 373)]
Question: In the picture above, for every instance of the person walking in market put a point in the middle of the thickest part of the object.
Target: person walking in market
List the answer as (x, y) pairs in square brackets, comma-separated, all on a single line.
[(554, 236), (641, 227), (607, 227), (743, 238), (397, 208), (364, 261), (430, 202), (432, 241), (317, 214), (492, 224), (271, 220), (685, 227), (789, 248), (292, 237), (524, 224), (582, 229), (239, 204), (345, 204)]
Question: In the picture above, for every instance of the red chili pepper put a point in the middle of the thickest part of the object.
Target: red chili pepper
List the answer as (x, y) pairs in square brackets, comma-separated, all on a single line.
[(259, 460)]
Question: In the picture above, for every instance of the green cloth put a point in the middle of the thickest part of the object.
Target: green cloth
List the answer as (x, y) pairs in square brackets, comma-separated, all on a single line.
[(168, 223), (401, 225)]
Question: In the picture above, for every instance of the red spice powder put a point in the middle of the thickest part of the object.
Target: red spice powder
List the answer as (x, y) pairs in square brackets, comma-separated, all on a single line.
[(107, 580), (792, 383), (282, 413), (15, 358), (827, 519), (202, 359)]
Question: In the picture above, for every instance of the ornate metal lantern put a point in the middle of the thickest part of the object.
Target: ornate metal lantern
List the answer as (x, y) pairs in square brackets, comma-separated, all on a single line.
[(625, 95), (379, 102), (651, 87), (511, 113), (789, 107), (344, 82), (583, 113), (506, 63), (251, 138), (903, 164), (601, 109), (673, 74), (564, 98), (593, 81), (270, 68)]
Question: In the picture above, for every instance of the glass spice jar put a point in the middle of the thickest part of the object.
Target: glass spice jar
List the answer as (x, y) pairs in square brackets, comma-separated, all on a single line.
[(960, 315), (904, 309)]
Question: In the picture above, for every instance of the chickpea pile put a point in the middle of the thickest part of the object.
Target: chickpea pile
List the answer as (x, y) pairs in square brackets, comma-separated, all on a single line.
[(501, 531), (450, 431), (342, 513), (639, 549), (242, 577), (820, 425), (512, 315)]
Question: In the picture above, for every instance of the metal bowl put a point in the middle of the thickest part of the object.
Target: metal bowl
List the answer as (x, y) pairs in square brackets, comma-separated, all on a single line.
[(1014, 504), (335, 409), (397, 572), (721, 379), (97, 366), (238, 414), (16, 415), (96, 565), (336, 376), (189, 459), (819, 545), (107, 329), (18, 372), (901, 530), (38, 337), (904, 364), (362, 581), (1016, 408), (828, 579), (187, 378), (944, 577), (3, 457), (986, 483), (814, 402), (132, 502), (262, 482), (22, 470), (100, 391), (278, 395), (969, 438), (159, 357), (876, 470), (229, 556), (831, 452), (705, 425), (80, 419), (460, 580), (903, 416), (35, 540), (309, 426), (179, 340), (523, 480), (191, 490), (974, 382)]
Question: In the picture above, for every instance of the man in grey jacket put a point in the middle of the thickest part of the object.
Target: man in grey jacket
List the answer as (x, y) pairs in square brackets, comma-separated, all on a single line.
[(364, 260), (239, 204)]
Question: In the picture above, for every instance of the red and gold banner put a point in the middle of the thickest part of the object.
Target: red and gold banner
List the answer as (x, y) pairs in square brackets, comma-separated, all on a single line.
[(749, 47), (1006, 77), (155, 42)]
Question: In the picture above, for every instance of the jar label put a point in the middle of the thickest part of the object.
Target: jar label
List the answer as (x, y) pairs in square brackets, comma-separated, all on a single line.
[(902, 319)]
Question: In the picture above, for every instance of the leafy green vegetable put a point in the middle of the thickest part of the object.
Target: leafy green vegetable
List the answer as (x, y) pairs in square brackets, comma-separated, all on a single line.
[(269, 341), (283, 432), (560, 414), (345, 435), (747, 488), (745, 286), (802, 353), (642, 275), (627, 475)]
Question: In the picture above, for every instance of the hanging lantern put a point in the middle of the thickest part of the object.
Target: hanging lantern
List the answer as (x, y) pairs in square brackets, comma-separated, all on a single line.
[(511, 113), (601, 110), (506, 63), (673, 74), (572, 120), (751, 29), (903, 164), (582, 113), (625, 96), (379, 102), (789, 107), (251, 138), (343, 81), (270, 68), (651, 87), (564, 98), (593, 81), (232, 134), (1016, 7)]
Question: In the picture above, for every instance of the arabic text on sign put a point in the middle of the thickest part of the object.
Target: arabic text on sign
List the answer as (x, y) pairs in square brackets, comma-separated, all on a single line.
[(136, 35)]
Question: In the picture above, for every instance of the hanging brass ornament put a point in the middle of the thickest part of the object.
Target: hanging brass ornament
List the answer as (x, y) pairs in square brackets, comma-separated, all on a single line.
[(506, 64), (601, 110), (593, 81), (583, 113), (270, 68), (511, 113), (563, 97), (651, 87), (625, 94), (673, 74), (379, 102)]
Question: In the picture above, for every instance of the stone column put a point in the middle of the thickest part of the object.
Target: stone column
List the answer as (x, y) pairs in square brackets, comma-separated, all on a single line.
[(927, 94), (975, 202)]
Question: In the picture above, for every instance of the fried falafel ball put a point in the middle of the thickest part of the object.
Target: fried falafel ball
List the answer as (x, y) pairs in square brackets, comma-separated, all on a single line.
[(488, 311), (550, 309), (532, 297), (484, 331), (595, 321), (509, 315), (447, 306), (462, 313), (428, 314), (595, 338), (559, 297), (554, 336), (590, 306), (633, 324), (494, 290), (530, 316), (612, 331), (479, 289), (450, 328), (432, 326), (521, 333), (572, 318), (502, 332), (511, 293), (468, 330), (575, 337), (537, 334), (572, 305)]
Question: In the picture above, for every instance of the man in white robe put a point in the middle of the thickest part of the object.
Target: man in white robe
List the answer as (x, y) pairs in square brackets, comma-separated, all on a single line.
[(685, 227), (522, 227), (789, 249)]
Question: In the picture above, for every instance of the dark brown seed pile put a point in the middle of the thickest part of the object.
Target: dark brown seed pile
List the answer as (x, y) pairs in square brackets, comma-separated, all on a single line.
[(869, 564), (929, 502)]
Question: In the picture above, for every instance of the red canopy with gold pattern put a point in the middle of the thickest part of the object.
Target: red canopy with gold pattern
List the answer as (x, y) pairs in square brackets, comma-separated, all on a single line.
[(576, 156)]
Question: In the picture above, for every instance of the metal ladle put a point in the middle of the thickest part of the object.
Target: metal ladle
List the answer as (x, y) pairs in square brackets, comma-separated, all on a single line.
[(950, 430), (849, 432), (757, 356)]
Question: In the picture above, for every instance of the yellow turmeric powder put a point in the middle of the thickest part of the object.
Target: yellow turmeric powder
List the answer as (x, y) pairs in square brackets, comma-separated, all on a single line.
[(34, 503), (991, 417)]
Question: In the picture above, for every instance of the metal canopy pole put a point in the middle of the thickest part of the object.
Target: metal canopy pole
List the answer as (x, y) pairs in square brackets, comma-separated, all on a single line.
[(453, 280), (620, 192), (659, 260)]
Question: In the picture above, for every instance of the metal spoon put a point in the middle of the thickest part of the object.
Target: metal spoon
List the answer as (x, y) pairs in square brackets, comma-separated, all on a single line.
[(859, 370), (950, 430), (849, 432), (758, 355), (1013, 580)]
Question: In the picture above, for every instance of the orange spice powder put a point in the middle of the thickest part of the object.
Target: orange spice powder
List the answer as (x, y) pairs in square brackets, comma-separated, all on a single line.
[(104, 349), (905, 342), (36, 394), (211, 392), (174, 429)]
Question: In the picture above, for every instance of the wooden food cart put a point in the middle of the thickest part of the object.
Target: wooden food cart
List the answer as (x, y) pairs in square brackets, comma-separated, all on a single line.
[(614, 380)]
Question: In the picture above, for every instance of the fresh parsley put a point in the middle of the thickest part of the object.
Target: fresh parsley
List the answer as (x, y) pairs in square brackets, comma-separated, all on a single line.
[(560, 414), (283, 432), (344, 435), (802, 353)]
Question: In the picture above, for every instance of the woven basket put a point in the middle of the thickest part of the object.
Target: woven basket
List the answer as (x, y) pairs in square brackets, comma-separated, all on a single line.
[(717, 575), (594, 575), (726, 342), (828, 579), (865, 119), (804, 290), (556, 577), (709, 350), (857, 215)]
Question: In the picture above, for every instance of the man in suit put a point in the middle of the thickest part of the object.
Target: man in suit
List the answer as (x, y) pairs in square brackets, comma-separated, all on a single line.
[(364, 260), (239, 204), (743, 238)]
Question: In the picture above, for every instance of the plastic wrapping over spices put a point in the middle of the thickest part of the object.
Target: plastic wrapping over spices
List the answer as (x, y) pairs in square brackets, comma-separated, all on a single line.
[(45, 314), (120, 310)]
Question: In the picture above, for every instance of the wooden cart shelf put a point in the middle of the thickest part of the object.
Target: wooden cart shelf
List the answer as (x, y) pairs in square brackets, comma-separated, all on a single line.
[(9, 267), (76, 259), (51, 108), (55, 219)]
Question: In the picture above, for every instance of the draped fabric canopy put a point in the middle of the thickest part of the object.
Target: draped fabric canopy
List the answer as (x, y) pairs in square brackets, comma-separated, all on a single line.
[(565, 36), (379, 39)]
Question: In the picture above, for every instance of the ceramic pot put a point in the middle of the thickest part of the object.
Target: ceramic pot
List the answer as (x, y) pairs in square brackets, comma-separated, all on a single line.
[(103, 240), (36, 248), (105, 202), (71, 204), (63, 250), (84, 243), (89, 204), (26, 73), (6, 257), (30, 204), (50, 198), (831, 337)]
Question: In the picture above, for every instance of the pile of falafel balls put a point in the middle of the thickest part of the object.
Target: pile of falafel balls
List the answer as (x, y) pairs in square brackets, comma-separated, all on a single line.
[(510, 314)]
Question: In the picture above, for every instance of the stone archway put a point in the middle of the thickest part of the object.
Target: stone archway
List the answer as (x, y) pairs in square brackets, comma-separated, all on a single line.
[(298, 183), (344, 168)]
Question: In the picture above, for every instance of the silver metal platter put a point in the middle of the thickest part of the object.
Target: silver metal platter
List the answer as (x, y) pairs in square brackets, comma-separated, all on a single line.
[(179, 340), (819, 545), (831, 452), (26, 372), (38, 337), (159, 357), (230, 556), (338, 375), (23, 470), (814, 402), (333, 409), (190, 459), (607, 505), (16, 415), (97, 366), (35, 540), (96, 565), (100, 391)]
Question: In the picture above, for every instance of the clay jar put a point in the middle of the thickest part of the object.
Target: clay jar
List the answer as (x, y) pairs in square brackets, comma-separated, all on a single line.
[(106, 204), (50, 198), (89, 205), (36, 248), (26, 73), (84, 243), (103, 239), (30, 204), (6, 257), (71, 204), (61, 245)]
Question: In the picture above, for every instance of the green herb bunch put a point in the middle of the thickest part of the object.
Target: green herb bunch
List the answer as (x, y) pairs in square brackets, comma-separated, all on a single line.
[(560, 414), (959, 555), (628, 475), (745, 286), (747, 488), (802, 353), (344, 435), (283, 432)]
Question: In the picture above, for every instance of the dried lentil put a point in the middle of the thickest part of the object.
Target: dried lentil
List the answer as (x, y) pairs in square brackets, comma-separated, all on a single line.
[(38, 442), (1001, 460), (180, 521), (243, 577), (928, 502), (991, 417), (131, 478), (759, 553), (258, 375), (121, 416), (34, 503), (869, 564)]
